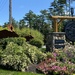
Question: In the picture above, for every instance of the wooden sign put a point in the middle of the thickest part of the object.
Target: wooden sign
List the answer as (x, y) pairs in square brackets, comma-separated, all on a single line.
[(70, 30)]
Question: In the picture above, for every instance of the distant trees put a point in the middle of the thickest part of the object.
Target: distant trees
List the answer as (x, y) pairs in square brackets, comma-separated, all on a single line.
[(14, 23), (29, 18), (22, 24), (61, 7), (57, 7), (39, 22)]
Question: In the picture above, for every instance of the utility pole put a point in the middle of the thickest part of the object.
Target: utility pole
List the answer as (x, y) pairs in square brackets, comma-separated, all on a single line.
[(69, 7), (10, 26), (10, 12)]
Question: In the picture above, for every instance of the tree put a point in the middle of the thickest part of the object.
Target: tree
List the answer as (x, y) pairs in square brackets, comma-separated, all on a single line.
[(37, 23), (5, 24), (14, 23), (29, 18), (45, 23), (57, 7), (68, 2), (43, 18), (22, 24), (62, 1)]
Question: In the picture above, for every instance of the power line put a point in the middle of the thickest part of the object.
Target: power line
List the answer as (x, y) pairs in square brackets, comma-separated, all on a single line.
[(2, 4), (3, 9)]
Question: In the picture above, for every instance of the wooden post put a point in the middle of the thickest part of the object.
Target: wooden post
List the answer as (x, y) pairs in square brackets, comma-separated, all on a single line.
[(55, 25), (61, 18)]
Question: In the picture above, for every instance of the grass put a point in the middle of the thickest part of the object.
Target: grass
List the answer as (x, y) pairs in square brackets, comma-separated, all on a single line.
[(7, 72)]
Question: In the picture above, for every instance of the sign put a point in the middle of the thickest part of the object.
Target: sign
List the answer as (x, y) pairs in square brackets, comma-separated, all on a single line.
[(70, 30), (59, 43), (59, 46)]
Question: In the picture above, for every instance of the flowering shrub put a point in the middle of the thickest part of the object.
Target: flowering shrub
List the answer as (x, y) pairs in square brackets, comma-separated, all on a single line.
[(33, 53), (13, 57), (57, 63), (19, 57), (16, 40), (67, 56), (51, 66)]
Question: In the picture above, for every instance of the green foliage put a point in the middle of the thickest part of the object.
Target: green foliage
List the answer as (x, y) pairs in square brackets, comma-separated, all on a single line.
[(14, 57), (61, 27), (18, 55), (49, 55), (43, 50), (34, 53), (30, 17), (36, 42), (14, 23), (1, 28), (57, 8), (22, 24), (27, 31), (17, 40)]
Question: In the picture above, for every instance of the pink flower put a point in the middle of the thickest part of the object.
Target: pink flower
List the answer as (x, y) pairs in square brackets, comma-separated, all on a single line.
[(54, 54)]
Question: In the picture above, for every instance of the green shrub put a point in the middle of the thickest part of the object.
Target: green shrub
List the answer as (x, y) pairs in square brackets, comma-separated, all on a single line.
[(43, 50), (36, 42), (17, 40), (27, 31), (5, 28), (49, 55), (14, 57), (33, 53), (19, 57)]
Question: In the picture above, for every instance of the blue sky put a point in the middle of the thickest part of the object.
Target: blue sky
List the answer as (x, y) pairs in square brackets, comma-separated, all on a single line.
[(21, 7)]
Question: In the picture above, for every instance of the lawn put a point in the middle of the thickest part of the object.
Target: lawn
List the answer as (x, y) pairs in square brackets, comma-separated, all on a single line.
[(7, 72)]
